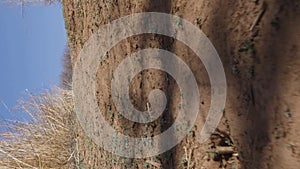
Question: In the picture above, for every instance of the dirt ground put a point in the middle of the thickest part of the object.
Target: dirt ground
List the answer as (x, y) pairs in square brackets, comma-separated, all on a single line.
[(261, 121)]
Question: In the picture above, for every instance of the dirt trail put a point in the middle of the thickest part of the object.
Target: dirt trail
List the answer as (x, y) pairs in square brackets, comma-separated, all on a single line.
[(262, 116)]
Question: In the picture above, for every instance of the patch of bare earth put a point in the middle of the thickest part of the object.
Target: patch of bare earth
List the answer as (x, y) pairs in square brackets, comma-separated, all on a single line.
[(259, 45)]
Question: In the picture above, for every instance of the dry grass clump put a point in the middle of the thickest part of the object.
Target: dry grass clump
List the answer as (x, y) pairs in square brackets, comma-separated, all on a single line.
[(47, 141), (66, 74)]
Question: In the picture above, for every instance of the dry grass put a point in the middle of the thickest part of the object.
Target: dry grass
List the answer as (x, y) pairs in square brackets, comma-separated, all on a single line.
[(66, 74), (48, 141)]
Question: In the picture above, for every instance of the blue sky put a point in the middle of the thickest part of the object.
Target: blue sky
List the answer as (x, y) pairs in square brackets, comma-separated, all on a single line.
[(31, 48)]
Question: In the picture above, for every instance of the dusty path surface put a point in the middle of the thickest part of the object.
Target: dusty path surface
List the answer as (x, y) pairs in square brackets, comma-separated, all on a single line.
[(261, 120)]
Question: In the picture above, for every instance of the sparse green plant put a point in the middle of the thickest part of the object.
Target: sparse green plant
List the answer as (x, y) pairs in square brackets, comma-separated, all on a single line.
[(250, 71), (111, 114), (184, 162), (128, 162), (212, 154), (178, 22), (145, 164), (248, 47), (290, 146), (198, 20), (228, 142)]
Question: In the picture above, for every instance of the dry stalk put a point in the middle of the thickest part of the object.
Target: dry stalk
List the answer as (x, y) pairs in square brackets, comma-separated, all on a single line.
[(47, 140)]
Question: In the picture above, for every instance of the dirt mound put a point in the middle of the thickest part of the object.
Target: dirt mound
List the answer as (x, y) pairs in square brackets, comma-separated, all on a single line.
[(258, 42)]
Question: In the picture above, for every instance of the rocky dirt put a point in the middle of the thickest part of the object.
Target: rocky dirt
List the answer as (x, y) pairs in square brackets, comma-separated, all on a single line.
[(259, 44)]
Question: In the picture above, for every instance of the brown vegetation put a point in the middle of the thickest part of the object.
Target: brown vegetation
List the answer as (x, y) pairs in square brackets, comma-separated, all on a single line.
[(47, 141), (66, 74)]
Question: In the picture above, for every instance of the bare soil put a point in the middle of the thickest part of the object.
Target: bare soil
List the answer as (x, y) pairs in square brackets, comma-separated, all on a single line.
[(260, 128)]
